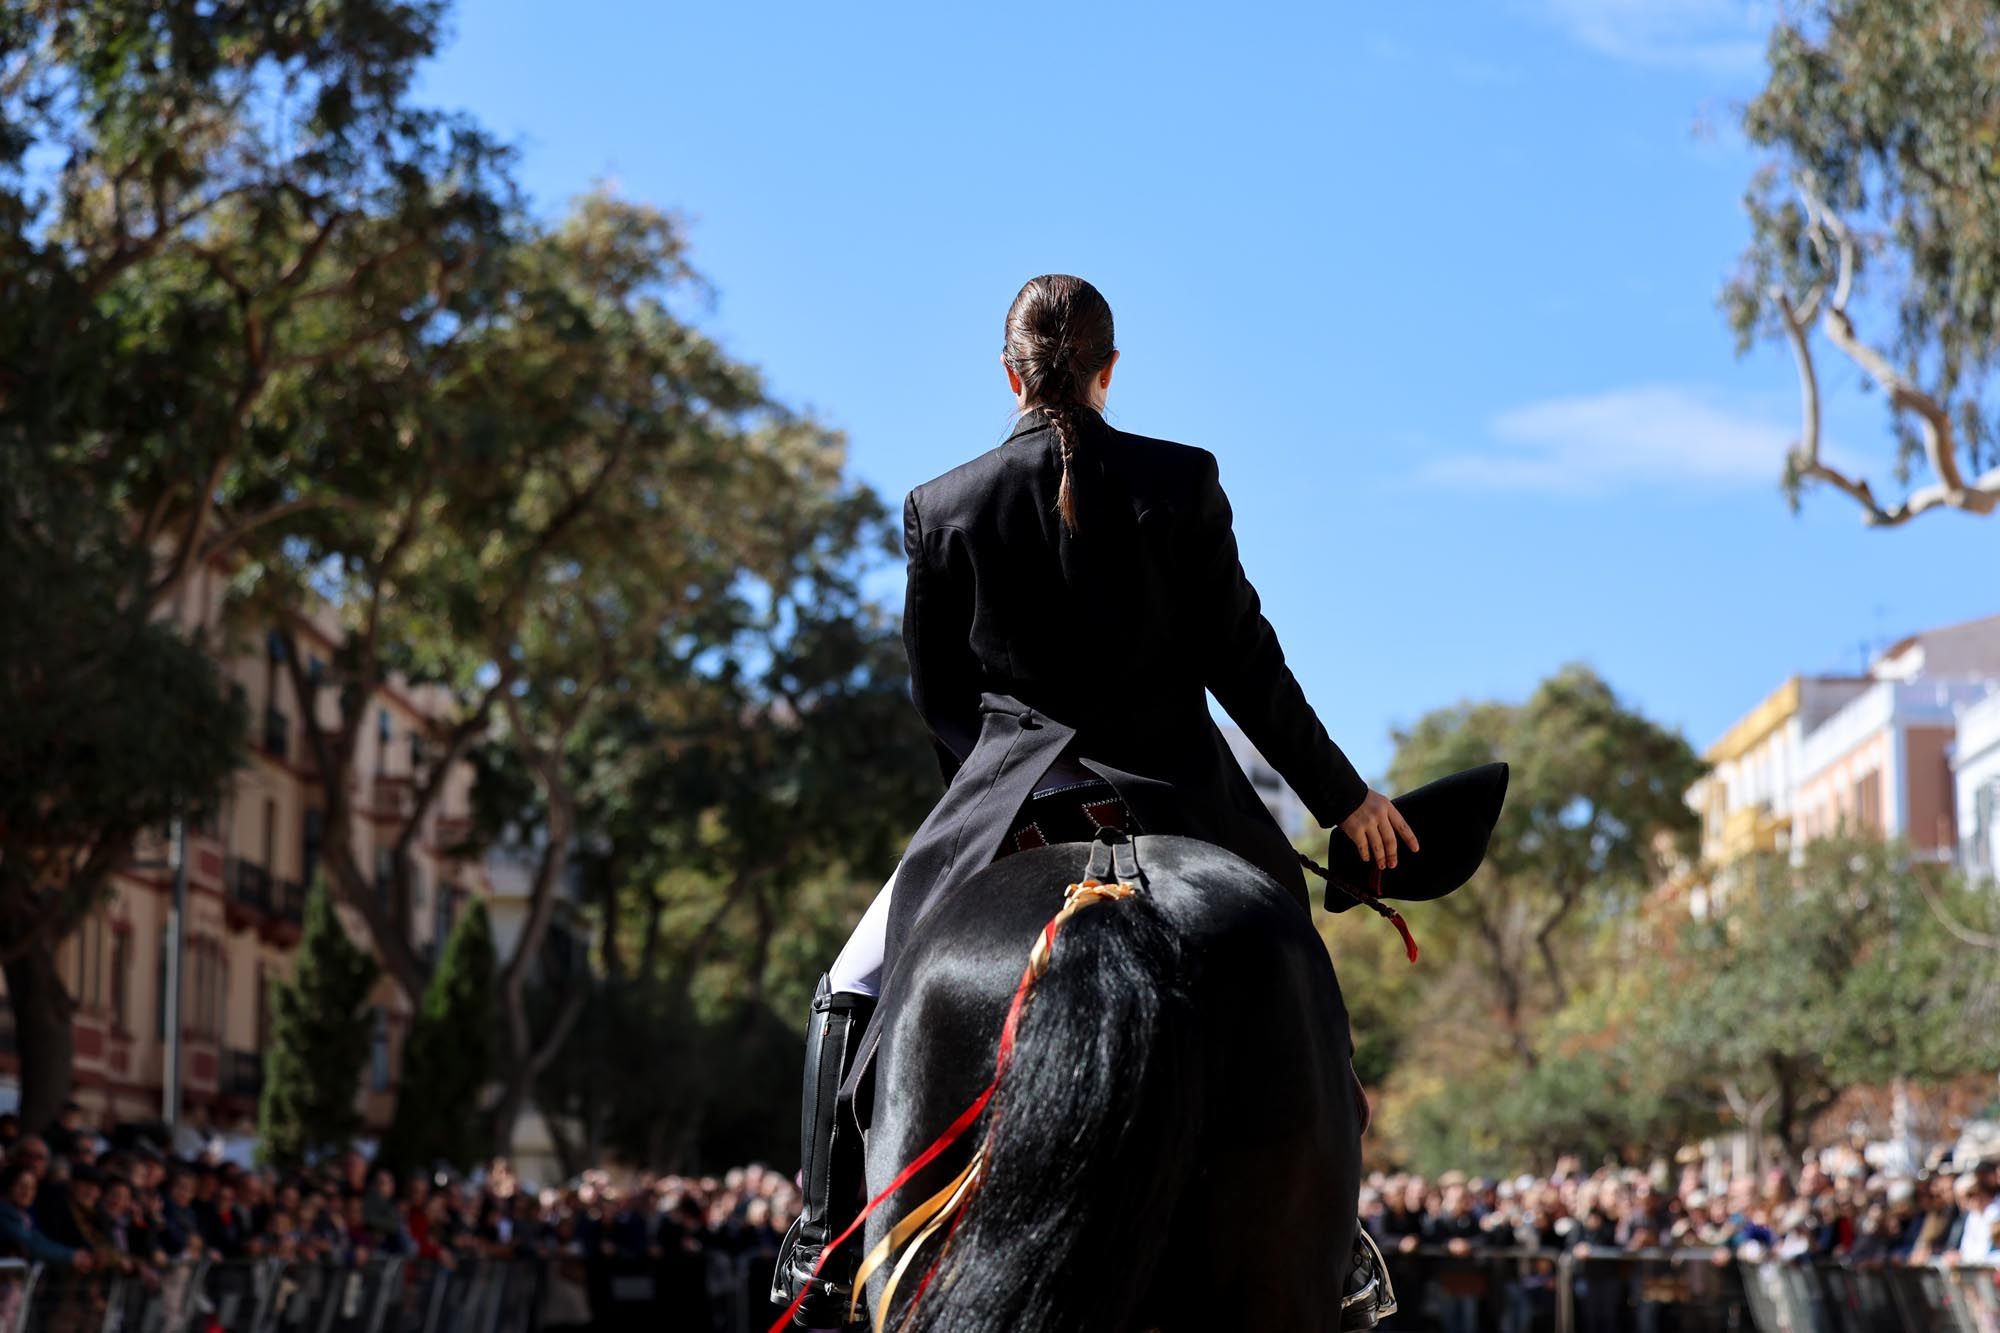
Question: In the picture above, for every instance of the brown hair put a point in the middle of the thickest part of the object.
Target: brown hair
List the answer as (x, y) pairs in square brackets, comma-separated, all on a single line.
[(1059, 335)]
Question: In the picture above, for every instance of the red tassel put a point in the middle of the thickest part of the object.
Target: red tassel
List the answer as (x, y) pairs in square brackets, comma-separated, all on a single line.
[(1403, 929)]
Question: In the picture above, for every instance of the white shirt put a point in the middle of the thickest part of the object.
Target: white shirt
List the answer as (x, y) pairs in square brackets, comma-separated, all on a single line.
[(1976, 1247)]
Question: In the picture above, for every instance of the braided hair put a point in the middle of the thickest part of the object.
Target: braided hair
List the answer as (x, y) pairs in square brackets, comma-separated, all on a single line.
[(1059, 336)]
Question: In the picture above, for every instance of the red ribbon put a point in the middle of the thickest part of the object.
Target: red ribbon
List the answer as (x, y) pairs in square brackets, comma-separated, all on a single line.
[(957, 1129)]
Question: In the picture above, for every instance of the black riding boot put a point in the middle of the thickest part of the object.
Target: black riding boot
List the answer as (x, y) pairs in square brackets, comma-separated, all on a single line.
[(831, 1166), (1368, 1298)]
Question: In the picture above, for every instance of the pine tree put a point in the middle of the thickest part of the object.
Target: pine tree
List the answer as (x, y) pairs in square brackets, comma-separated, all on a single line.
[(448, 1060), (319, 1042)]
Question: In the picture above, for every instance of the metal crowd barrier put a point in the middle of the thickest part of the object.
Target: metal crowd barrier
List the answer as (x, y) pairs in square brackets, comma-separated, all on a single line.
[(390, 1295), (1680, 1291), (709, 1291)]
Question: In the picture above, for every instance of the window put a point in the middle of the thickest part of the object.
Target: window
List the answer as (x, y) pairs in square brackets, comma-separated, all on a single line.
[(384, 861), (270, 834), (91, 939), (263, 1007), (160, 986), (378, 1053), (201, 965), (1868, 804), (315, 669), (274, 645), (314, 828), (191, 988), (442, 913), (121, 986)]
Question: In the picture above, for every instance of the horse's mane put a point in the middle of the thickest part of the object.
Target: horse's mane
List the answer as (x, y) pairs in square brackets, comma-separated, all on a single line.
[(1095, 1118)]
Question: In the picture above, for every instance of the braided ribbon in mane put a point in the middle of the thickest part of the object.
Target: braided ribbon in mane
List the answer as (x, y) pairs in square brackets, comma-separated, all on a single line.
[(945, 1208)]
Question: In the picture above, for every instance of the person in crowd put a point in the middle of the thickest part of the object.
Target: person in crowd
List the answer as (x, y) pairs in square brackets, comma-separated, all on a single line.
[(67, 1213), (31, 1151), (66, 1133), (1979, 1224), (20, 1238), (382, 1214), (179, 1227), (1456, 1229)]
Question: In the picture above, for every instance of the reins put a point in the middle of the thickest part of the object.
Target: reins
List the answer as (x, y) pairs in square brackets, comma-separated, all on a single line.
[(1370, 898)]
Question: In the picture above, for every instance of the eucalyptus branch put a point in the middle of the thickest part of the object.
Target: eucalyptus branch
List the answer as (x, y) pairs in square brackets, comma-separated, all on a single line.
[(1833, 241)]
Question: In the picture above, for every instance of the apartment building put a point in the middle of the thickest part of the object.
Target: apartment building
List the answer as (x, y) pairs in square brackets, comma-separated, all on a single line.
[(1976, 784), (1746, 800), (1877, 754), (246, 877)]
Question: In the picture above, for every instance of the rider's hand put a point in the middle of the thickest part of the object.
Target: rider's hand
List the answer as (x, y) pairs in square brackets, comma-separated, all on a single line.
[(1375, 828)]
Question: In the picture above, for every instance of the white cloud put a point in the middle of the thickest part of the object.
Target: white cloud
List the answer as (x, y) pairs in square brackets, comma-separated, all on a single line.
[(1593, 443), (1719, 37)]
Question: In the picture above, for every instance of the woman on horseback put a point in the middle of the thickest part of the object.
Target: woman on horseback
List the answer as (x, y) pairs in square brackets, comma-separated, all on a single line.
[(1073, 595)]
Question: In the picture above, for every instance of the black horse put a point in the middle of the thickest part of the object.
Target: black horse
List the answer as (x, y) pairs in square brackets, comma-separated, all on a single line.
[(1173, 1144)]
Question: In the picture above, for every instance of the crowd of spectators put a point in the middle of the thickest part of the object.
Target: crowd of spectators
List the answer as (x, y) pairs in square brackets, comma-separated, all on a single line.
[(70, 1199), (1847, 1214), (73, 1201)]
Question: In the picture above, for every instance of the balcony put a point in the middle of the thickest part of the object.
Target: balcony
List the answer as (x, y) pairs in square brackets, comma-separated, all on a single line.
[(393, 796), (242, 1074), (277, 733), (288, 901), (247, 883)]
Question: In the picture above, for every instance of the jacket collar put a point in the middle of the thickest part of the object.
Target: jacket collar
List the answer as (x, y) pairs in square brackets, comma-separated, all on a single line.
[(1032, 420)]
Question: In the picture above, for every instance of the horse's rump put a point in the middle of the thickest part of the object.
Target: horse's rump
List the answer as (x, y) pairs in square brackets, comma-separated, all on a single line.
[(1173, 1145)]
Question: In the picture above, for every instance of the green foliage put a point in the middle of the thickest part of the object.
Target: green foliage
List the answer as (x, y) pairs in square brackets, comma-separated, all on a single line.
[(1494, 1049), (271, 309), (448, 1060), (320, 1038), (1804, 980), (681, 1088), (1595, 803), (1885, 109), (111, 724)]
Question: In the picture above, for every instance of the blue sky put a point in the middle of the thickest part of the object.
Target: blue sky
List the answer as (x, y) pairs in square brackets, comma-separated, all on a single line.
[(1436, 282)]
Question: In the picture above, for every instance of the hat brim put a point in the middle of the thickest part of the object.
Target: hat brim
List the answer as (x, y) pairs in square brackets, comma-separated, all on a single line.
[(1453, 820)]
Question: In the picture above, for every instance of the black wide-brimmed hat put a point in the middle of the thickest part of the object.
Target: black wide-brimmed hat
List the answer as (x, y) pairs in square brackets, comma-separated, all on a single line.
[(1453, 819)]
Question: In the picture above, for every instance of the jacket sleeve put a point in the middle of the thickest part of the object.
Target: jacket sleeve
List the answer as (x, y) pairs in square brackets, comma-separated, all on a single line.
[(1245, 668), (17, 1228), (937, 628)]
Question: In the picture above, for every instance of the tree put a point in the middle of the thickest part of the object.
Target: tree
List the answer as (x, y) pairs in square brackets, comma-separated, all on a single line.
[(448, 1059), (1880, 197), (229, 248), (1801, 981), (110, 726), (1597, 795), (320, 1036), (279, 314), (723, 839), (227, 228)]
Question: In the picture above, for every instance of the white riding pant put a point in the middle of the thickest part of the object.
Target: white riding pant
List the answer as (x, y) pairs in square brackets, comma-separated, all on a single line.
[(858, 969)]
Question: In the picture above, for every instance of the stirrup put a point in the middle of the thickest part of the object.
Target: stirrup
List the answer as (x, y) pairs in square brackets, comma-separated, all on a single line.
[(1377, 1290)]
